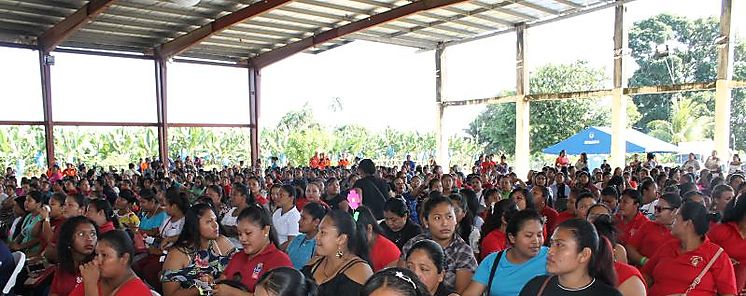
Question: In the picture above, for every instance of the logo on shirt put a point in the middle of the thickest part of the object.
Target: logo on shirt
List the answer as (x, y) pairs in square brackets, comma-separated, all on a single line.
[(695, 260), (257, 270)]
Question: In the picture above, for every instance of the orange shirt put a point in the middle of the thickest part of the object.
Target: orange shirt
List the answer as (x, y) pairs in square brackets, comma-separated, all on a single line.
[(70, 172)]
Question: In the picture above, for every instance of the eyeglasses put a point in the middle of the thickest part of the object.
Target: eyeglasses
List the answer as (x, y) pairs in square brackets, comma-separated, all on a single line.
[(659, 209)]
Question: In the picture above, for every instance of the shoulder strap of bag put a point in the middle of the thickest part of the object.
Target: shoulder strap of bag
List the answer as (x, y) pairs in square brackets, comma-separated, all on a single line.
[(704, 271), (544, 285), (492, 271), (375, 186)]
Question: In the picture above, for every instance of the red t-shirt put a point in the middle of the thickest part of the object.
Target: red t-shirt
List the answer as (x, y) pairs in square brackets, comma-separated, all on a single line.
[(628, 229), (729, 238), (650, 237), (132, 287), (251, 269), (564, 216), (108, 226), (625, 271), (64, 282), (673, 271), (551, 217), (383, 253), (495, 241)]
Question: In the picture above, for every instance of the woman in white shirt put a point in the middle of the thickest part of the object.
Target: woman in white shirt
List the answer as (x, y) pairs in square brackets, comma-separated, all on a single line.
[(285, 218)]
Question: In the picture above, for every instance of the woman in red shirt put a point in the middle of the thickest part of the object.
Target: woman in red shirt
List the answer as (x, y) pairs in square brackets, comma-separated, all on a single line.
[(495, 239), (629, 280), (731, 236), (100, 212), (692, 265), (654, 234), (562, 161), (259, 254), (109, 273), (383, 252), (76, 243)]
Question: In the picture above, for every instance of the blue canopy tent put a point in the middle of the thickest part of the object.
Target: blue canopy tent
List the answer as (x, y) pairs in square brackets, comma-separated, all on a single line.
[(597, 140)]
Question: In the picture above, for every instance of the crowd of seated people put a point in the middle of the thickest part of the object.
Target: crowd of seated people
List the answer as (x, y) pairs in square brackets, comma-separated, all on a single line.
[(362, 229)]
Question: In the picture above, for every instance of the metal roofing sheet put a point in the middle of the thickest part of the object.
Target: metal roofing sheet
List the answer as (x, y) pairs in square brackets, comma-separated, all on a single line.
[(142, 25)]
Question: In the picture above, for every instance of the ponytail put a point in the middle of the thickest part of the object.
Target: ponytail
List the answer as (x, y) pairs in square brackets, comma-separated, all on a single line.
[(602, 264), (357, 238)]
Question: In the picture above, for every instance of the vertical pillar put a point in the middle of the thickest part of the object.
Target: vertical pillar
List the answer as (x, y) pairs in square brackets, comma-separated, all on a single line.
[(619, 101), (722, 87), (254, 95), (441, 139), (162, 109), (522, 108), (45, 61)]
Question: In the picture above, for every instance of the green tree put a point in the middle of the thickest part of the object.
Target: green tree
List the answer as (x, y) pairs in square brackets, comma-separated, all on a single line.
[(551, 121), (686, 123), (692, 57)]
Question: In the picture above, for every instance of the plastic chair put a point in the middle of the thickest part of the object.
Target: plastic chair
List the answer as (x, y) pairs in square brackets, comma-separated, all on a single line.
[(20, 259)]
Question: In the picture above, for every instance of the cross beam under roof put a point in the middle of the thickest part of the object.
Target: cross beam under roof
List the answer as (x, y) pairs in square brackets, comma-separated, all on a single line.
[(184, 42), (58, 33), (278, 54)]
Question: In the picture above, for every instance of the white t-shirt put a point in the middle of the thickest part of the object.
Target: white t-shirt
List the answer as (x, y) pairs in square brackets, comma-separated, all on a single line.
[(170, 229), (649, 209), (229, 220), (286, 224)]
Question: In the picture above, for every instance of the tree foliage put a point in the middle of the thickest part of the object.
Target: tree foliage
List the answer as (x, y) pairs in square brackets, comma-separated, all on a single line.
[(550, 121), (692, 57), (688, 122)]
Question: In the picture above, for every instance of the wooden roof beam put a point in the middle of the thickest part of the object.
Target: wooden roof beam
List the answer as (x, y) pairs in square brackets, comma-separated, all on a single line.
[(278, 54), (184, 42), (53, 37)]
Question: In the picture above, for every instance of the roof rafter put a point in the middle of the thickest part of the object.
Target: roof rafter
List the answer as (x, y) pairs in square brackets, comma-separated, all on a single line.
[(58, 33), (278, 54), (183, 42)]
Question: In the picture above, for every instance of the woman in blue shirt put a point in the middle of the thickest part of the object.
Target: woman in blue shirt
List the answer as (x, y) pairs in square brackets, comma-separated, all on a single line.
[(303, 246), (524, 260)]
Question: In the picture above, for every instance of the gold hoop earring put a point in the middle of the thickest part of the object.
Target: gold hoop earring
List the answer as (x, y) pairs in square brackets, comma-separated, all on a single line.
[(339, 253)]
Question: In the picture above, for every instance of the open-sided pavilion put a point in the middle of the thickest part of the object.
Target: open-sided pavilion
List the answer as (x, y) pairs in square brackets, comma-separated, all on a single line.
[(253, 34)]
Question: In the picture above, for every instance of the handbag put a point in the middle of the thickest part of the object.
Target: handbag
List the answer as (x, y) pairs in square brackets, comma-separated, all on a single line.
[(699, 277)]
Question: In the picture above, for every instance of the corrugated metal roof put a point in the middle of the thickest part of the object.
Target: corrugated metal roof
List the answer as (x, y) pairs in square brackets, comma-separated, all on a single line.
[(142, 25)]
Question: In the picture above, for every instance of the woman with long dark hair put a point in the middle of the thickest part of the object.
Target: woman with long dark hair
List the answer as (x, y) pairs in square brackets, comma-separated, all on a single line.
[(77, 241), (465, 228), (505, 272), (494, 238), (285, 281), (394, 281), (240, 199), (580, 263), (199, 255), (629, 280), (729, 234), (259, 255), (100, 212), (109, 273), (30, 239), (342, 266), (286, 216), (383, 252), (701, 267), (428, 261)]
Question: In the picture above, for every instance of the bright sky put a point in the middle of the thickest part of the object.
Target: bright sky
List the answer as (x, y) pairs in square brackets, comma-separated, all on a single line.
[(379, 85)]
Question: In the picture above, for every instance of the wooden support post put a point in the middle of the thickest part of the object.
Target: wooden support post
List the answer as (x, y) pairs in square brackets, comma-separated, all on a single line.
[(162, 109), (522, 108), (722, 86), (46, 94), (441, 139), (254, 96), (619, 100)]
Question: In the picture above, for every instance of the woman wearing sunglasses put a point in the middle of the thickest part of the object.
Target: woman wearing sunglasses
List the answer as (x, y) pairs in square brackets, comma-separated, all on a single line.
[(654, 234)]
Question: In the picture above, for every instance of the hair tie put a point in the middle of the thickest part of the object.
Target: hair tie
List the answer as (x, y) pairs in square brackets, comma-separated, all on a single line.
[(401, 275), (356, 215)]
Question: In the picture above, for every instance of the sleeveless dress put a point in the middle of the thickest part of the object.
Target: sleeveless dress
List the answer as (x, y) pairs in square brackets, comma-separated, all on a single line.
[(340, 284), (201, 262)]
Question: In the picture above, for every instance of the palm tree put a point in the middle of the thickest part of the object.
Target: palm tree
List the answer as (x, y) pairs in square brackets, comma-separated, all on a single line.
[(689, 121)]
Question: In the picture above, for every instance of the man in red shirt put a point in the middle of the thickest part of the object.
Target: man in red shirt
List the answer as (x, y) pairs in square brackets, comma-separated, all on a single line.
[(541, 194), (629, 219)]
